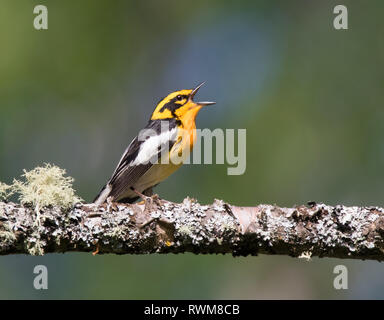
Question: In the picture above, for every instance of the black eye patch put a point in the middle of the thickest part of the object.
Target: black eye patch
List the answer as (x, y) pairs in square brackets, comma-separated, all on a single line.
[(172, 105)]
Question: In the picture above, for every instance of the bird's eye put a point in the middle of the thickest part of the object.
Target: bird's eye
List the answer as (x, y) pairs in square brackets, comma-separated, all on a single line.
[(179, 97)]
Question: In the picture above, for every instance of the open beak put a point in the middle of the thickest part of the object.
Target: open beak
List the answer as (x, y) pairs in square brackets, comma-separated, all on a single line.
[(203, 103)]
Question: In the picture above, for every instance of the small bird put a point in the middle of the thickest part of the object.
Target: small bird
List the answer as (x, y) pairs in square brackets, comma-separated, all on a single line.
[(136, 173)]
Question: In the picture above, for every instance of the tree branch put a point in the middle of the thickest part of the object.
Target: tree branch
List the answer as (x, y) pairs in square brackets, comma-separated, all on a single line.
[(160, 226)]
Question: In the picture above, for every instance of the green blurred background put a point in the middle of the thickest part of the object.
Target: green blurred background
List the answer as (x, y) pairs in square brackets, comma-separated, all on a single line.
[(310, 97)]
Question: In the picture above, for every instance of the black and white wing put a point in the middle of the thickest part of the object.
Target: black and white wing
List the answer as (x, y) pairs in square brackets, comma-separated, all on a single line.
[(138, 158)]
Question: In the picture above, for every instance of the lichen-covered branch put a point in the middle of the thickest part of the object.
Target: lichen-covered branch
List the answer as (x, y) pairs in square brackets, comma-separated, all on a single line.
[(160, 226)]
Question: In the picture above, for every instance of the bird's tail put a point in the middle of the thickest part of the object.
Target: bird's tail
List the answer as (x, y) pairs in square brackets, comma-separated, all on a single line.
[(103, 194)]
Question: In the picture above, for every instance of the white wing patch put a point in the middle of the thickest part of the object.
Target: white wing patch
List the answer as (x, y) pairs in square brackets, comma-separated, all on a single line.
[(150, 148)]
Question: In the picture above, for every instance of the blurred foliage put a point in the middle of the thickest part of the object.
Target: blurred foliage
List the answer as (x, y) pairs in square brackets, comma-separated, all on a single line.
[(310, 97)]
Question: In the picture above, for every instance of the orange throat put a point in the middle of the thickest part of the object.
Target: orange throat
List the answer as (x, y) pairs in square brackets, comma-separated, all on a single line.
[(189, 125)]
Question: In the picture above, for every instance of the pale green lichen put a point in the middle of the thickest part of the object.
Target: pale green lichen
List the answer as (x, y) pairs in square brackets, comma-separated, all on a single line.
[(7, 238), (5, 191), (46, 186), (307, 255), (35, 248), (185, 230)]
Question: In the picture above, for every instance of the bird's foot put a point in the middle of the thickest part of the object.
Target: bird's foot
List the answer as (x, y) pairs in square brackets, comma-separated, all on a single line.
[(147, 196), (143, 197), (97, 250)]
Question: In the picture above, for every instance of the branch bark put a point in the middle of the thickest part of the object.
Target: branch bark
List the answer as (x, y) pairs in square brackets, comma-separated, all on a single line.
[(160, 226)]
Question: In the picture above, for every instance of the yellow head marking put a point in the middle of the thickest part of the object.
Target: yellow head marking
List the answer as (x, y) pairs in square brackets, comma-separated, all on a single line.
[(167, 107), (180, 105)]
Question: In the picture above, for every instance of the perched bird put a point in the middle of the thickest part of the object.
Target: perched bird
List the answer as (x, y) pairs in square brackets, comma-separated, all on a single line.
[(149, 159)]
